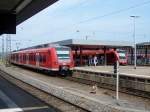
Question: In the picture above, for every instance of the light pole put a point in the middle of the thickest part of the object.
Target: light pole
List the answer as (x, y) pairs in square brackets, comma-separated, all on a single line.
[(77, 32), (86, 37), (134, 17), (17, 45)]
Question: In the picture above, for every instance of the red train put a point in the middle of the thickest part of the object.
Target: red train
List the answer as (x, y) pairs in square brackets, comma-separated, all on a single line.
[(58, 58), (111, 55)]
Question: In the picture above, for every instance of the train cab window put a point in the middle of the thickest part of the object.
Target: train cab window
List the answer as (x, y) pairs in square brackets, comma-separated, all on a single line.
[(63, 53)]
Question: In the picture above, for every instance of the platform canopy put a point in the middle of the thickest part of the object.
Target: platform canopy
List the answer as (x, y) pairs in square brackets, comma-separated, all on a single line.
[(14, 12), (94, 44), (143, 45)]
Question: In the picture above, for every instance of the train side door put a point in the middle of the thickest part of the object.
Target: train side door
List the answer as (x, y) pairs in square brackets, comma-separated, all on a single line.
[(37, 60), (27, 58)]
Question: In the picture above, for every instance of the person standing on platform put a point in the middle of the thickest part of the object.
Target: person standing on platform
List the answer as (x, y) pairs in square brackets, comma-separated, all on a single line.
[(90, 60), (95, 60)]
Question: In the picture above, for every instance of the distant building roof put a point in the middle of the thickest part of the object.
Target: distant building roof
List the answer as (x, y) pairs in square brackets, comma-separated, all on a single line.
[(144, 43)]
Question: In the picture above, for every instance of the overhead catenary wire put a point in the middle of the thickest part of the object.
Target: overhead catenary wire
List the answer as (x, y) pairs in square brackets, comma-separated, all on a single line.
[(116, 12), (106, 15)]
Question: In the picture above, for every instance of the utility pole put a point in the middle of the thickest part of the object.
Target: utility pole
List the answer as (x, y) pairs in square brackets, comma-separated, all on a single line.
[(8, 49), (134, 17), (93, 34), (77, 31), (17, 45), (3, 48), (86, 37)]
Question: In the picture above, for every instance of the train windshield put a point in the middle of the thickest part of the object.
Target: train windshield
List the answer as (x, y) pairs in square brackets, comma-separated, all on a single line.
[(63, 53), (122, 54)]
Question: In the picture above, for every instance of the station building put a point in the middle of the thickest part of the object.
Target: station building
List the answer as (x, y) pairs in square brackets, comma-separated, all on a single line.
[(143, 53), (143, 49), (79, 45)]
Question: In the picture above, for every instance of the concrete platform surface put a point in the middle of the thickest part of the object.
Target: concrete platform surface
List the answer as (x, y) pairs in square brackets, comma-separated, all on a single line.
[(128, 70), (79, 94), (14, 99)]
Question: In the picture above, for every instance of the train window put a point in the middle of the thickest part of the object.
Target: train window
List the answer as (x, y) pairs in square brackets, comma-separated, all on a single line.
[(49, 52), (113, 55), (131, 78), (14, 57), (37, 58), (20, 57), (17, 57), (33, 57), (44, 58), (141, 80), (24, 57), (40, 58), (29, 57)]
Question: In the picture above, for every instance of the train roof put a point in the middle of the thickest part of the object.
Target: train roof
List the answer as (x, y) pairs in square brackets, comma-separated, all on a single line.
[(40, 47)]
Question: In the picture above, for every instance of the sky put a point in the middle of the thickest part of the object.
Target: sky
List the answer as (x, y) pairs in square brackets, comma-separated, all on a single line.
[(78, 19)]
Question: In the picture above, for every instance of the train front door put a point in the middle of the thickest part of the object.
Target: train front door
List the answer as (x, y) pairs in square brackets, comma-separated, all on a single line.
[(37, 60)]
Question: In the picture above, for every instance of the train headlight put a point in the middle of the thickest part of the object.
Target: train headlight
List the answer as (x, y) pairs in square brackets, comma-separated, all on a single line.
[(63, 63)]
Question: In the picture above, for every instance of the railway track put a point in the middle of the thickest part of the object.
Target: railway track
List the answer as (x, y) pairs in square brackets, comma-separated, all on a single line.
[(58, 104), (110, 87)]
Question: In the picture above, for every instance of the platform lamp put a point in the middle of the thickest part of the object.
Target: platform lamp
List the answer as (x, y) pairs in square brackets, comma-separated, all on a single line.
[(134, 17)]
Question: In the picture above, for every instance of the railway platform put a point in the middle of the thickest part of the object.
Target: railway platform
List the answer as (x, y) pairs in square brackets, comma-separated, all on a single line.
[(141, 71), (79, 94), (133, 81)]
